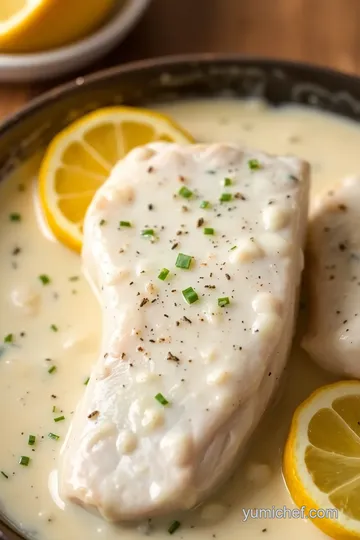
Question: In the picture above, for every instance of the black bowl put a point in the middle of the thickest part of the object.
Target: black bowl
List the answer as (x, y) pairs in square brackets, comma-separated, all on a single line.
[(170, 79)]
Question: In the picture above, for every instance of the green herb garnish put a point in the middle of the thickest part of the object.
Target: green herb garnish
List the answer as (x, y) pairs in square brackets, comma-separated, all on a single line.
[(15, 216), (53, 436), (254, 164), (31, 440), (209, 230), (183, 261), (161, 399), (9, 338), (59, 419), (86, 382), (147, 233), (204, 204), (227, 182), (185, 192), (52, 369), (124, 224), (232, 249), (190, 296), (102, 222), (24, 460), (163, 274), (174, 527), (45, 280), (54, 328), (225, 197), (222, 302)]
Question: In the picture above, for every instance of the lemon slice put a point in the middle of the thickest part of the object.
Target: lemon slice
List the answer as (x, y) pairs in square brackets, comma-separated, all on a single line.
[(80, 158), (34, 25), (322, 459)]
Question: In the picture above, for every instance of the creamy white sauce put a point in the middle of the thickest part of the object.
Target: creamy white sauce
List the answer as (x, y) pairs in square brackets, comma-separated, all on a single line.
[(26, 305)]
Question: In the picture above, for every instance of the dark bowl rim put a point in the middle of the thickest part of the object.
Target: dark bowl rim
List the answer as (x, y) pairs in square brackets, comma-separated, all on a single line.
[(165, 62)]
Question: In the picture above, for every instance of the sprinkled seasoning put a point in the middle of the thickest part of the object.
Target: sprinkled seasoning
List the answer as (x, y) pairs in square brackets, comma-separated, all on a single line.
[(15, 216), (86, 382), (124, 224), (227, 182), (54, 328), (190, 295), (53, 436), (183, 261), (9, 338), (59, 419), (209, 230), (24, 460), (204, 204), (52, 370), (102, 222), (185, 192), (161, 399), (4, 474)]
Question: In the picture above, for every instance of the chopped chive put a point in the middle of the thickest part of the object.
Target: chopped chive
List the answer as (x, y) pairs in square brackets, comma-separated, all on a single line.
[(209, 230), (59, 419), (124, 224), (45, 280), (232, 249), (15, 216), (9, 338), (31, 440), (4, 474), (102, 222), (86, 382), (54, 328), (54, 409), (225, 197), (204, 204), (24, 460), (227, 182), (190, 296), (183, 261), (161, 399), (52, 369), (163, 274), (185, 192), (254, 164), (147, 232), (174, 527), (53, 436), (222, 302)]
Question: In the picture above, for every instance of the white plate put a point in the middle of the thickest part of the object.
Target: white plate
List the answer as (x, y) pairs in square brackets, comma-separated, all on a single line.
[(44, 65)]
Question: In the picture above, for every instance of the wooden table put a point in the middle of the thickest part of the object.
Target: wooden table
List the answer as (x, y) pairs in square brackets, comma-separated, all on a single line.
[(325, 32)]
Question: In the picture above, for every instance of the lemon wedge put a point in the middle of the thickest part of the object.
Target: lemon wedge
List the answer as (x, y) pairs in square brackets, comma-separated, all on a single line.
[(322, 459), (80, 158), (36, 25)]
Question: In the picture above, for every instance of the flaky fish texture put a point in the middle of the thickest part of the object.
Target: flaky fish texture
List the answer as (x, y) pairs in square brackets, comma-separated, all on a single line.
[(195, 253)]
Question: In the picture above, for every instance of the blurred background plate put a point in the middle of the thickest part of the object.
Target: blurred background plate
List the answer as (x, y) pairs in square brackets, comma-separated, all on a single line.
[(55, 63)]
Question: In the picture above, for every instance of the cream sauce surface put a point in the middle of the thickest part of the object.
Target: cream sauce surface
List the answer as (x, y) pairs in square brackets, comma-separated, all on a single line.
[(57, 324)]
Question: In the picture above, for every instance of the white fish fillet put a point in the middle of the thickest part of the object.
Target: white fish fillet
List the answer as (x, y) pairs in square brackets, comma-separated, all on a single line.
[(333, 275), (128, 455)]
